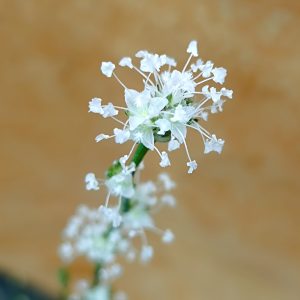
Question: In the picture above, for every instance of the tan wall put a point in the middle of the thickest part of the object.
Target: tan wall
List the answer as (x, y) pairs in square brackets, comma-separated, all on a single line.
[(237, 222)]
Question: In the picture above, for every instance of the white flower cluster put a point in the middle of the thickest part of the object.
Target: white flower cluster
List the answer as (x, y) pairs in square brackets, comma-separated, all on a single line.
[(171, 101), (103, 234), (83, 291)]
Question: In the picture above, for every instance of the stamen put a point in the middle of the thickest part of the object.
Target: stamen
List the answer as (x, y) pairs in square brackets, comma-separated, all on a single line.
[(207, 79), (122, 84), (141, 73), (114, 118), (185, 146), (198, 76), (107, 199), (187, 63)]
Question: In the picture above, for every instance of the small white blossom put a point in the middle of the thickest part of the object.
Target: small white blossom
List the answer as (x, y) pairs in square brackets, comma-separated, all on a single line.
[(120, 296), (227, 93), (168, 236), (192, 166), (168, 200), (95, 106), (146, 253), (121, 185), (109, 110), (192, 48), (97, 293), (111, 214), (167, 182), (107, 68), (219, 75), (121, 136), (214, 144), (66, 252), (91, 182), (101, 137), (126, 62), (165, 162), (206, 69)]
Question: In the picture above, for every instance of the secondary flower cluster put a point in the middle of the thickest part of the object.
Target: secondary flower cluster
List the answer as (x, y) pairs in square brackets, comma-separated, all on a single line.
[(104, 233), (171, 101)]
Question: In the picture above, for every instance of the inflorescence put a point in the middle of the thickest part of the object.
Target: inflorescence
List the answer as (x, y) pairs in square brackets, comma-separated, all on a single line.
[(171, 102)]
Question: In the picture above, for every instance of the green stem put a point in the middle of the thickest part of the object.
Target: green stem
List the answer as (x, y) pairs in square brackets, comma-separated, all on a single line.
[(139, 154), (138, 157), (97, 270)]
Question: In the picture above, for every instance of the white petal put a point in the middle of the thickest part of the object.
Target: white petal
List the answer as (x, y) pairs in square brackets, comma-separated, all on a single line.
[(192, 48), (135, 121), (156, 105), (147, 138), (178, 130), (126, 62), (173, 145), (164, 126), (107, 68)]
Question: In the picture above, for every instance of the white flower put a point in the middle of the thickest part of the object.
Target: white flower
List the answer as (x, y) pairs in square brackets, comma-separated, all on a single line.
[(168, 236), (227, 93), (169, 200), (170, 102), (126, 62), (142, 107), (192, 48), (136, 219), (107, 68), (206, 69), (146, 253), (214, 144), (121, 185), (100, 292), (195, 67), (109, 110), (219, 75), (66, 252), (121, 136), (165, 162), (167, 182), (192, 166), (150, 63), (120, 296), (112, 215), (95, 106), (91, 182), (101, 137)]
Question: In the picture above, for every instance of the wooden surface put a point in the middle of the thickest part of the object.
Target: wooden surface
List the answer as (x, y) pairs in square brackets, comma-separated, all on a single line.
[(237, 222)]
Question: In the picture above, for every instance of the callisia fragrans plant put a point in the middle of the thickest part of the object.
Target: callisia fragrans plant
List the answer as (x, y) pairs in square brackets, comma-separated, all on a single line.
[(171, 102)]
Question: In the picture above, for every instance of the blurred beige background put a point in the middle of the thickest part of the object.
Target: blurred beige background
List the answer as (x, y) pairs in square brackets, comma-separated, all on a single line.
[(237, 222)]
